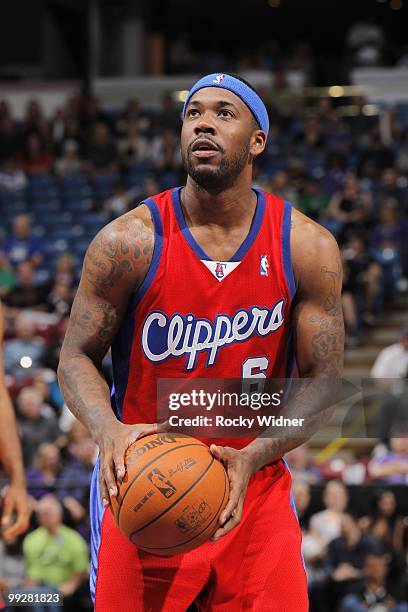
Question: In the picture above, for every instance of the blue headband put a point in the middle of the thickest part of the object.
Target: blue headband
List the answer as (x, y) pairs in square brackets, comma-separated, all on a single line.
[(247, 95)]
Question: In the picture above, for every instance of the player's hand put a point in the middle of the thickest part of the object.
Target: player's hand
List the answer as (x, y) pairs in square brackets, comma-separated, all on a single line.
[(239, 469), (16, 511), (112, 448)]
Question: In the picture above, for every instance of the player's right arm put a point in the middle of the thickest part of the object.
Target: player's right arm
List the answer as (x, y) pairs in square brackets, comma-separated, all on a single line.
[(116, 262)]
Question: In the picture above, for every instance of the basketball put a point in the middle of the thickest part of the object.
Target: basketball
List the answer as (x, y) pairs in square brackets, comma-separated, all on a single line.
[(171, 497)]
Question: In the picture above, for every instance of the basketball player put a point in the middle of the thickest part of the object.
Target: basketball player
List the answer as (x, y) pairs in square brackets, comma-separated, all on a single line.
[(187, 285), (15, 513)]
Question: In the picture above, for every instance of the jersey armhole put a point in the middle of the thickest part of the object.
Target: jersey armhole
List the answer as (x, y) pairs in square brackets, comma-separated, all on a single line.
[(157, 249), (286, 255)]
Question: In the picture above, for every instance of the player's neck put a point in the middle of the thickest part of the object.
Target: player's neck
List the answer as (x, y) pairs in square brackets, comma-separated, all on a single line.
[(225, 208)]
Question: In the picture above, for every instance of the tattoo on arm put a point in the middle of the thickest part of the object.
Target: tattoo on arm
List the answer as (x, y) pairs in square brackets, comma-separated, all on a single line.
[(328, 342), (333, 300), (116, 262), (117, 252)]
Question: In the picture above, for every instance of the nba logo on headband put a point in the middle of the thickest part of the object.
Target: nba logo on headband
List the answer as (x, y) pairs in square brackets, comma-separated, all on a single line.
[(240, 89)]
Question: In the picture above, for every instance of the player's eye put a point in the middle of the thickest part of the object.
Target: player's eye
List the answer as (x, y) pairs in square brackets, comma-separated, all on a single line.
[(225, 113), (192, 112)]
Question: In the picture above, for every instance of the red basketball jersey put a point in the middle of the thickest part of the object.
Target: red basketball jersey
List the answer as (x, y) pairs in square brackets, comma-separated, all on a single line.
[(197, 318)]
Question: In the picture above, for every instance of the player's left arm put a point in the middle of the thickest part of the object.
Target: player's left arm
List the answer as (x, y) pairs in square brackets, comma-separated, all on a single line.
[(16, 512), (318, 328)]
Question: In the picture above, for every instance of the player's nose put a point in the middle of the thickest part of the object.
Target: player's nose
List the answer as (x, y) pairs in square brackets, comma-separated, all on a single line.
[(204, 125)]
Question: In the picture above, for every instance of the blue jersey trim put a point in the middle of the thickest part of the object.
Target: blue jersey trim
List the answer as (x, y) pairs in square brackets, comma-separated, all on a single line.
[(286, 256), (157, 250), (122, 346), (293, 506), (245, 246), (96, 511)]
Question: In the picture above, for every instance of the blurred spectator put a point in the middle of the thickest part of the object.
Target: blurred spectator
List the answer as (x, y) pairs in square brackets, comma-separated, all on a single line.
[(52, 352), (312, 201), (12, 178), (313, 548), (74, 481), (90, 113), (65, 270), (72, 134), (69, 162), (375, 591), (392, 361), (166, 156), (23, 354), (301, 464), (12, 568), (392, 467), (42, 476), (10, 138), (101, 150), (387, 239), (7, 277), (45, 382), (389, 187), (55, 555), (121, 200), (390, 372), (326, 525), (384, 522), (361, 285), (60, 297), (36, 158), (169, 116), (375, 157), (26, 293), (149, 187), (132, 112), (37, 422), (34, 120), (348, 209), (57, 129), (22, 245), (346, 556), (281, 187), (134, 147)]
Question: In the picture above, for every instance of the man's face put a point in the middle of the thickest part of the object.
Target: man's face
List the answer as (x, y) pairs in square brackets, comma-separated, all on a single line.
[(49, 513), (21, 227), (376, 567), (218, 138)]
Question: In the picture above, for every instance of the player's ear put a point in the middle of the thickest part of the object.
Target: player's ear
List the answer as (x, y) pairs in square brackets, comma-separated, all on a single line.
[(258, 142)]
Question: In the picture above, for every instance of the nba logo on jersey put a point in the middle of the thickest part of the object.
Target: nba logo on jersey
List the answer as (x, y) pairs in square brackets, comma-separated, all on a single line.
[(264, 265), (218, 79), (219, 270)]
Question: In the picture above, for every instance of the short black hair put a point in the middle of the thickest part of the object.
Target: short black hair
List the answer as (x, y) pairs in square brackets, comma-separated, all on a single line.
[(235, 76)]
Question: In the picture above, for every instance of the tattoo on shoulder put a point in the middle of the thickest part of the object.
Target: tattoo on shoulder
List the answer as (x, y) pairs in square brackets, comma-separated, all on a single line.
[(118, 250)]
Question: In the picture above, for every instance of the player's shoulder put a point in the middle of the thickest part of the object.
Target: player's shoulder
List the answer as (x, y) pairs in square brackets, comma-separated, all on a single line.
[(310, 239), (120, 254), (138, 222), (313, 248), (125, 232)]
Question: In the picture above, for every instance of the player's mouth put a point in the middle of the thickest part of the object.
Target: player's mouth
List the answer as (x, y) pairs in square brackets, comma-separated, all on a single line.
[(204, 147)]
